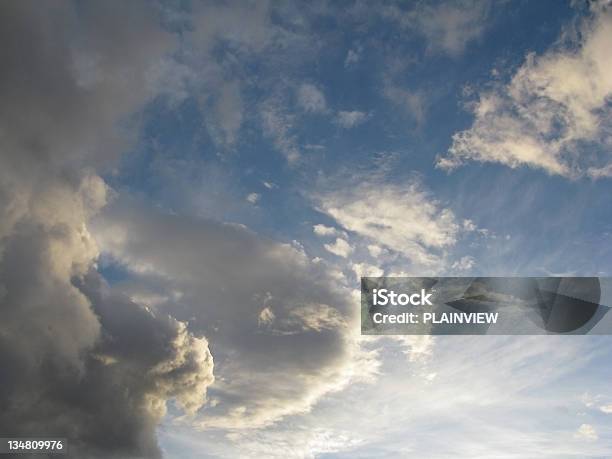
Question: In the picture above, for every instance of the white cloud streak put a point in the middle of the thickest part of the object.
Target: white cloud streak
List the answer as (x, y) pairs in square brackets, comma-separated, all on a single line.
[(554, 114)]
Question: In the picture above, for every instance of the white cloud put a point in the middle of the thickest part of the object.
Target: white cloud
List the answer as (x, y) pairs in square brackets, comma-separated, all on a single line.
[(403, 218), (311, 99), (375, 250), (349, 119), (464, 263), (322, 230), (253, 198), (606, 409), (555, 114), (366, 270), (340, 247), (586, 432)]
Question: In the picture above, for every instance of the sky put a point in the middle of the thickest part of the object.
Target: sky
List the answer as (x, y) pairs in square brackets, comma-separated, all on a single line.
[(190, 192)]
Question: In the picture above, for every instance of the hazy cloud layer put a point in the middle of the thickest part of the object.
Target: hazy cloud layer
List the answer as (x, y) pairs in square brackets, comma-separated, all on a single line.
[(447, 27)]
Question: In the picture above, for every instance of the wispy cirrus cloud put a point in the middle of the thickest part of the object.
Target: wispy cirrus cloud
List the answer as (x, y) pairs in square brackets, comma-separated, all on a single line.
[(447, 27), (403, 218)]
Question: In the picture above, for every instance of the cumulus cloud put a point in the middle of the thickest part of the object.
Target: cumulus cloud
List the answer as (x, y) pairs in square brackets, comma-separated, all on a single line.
[(553, 115), (278, 325), (322, 230), (340, 247), (253, 198), (80, 362), (366, 270)]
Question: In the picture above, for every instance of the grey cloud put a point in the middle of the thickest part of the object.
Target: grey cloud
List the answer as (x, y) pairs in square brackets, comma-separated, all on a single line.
[(74, 74), (110, 405), (67, 82), (278, 325)]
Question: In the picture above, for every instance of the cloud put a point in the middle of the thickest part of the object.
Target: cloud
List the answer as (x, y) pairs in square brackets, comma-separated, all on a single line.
[(464, 263), (353, 56), (448, 27), (606, 409), (311, 99), (278, 325), (403, 218), (81, 361), (349, 119), (554, 114), (375, 250), (322, 230), (228, 114), (414, 103), (278, 125), (464, 391), (366, 270), (586, 432), (253, 198), (340, 247), (152, 357), (218, 37)]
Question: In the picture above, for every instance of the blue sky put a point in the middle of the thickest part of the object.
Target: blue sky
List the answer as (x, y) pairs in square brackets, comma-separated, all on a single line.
[(191, 191), (392, 65)]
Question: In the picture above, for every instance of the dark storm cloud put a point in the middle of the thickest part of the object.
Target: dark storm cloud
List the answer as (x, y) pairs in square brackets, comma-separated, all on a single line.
[(111, 404), (78, 361)]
